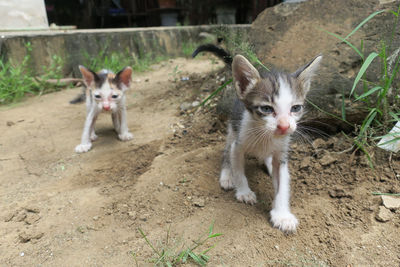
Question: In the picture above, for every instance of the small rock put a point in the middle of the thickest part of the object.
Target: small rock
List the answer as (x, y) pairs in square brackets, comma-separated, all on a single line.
[(383, 215), (390, 202), (143, 217), (81, 229), (339, 193), (195, 103), (9, 217), (327, 159), (95, 218), (305, 163), (199, 202), (185, 106), (20, 216), (25, 237), (31, 218), (318, 143), (132, 215)]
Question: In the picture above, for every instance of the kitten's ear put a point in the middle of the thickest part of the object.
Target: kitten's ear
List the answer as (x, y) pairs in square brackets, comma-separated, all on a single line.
[(246, 76), (89, 77), (304, 74), (124, 78)]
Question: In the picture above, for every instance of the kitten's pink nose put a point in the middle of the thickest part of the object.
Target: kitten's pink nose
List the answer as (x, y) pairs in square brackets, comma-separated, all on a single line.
[(106, 107), (283, 128)]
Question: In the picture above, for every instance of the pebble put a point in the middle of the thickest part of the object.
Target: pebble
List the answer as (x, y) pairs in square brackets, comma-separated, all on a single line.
[(339, 193), (305, 163), (199, 202), (31, 218), (195, 103), (383, 215), (185, 106), (319, 142), (390, 202), (25, 237), (327, 159)]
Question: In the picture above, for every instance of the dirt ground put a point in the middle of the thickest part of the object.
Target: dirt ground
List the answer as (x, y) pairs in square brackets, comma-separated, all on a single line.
[(59, 208)]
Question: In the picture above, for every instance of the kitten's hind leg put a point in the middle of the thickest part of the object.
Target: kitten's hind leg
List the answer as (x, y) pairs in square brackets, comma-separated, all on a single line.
[(225, 179)]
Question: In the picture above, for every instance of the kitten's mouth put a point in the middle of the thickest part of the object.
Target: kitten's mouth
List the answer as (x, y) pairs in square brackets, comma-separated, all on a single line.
[(282, 133)]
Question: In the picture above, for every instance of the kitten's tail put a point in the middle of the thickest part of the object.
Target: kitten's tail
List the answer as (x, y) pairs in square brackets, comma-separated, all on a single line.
[(79, 98), (218, 51)]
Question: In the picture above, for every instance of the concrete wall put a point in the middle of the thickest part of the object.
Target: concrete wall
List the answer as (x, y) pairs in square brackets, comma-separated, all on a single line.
[(23, 14), (72, 45)]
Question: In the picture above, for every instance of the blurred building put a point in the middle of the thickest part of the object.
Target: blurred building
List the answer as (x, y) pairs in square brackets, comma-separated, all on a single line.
[(86, 14)]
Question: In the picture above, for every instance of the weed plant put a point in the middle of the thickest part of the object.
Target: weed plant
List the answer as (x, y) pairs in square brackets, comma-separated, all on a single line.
[(171, 253), (380, 98), (17, 80)]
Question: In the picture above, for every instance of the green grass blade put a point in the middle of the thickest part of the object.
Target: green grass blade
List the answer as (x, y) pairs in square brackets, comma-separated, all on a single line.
[(328, 113), (210, 230), (197, 259), (385, 194), (367, 121), (363, 69), (343, 107), (345, 41), (215, 92), (369, 92), (364, 21)]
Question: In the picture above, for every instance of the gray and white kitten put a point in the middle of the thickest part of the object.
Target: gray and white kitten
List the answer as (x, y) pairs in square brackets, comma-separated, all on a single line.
[(264, 116), (105, 91)]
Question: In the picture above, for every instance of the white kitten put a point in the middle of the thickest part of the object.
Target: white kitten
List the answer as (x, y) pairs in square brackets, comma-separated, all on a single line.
[(264, 115), (105, 92)]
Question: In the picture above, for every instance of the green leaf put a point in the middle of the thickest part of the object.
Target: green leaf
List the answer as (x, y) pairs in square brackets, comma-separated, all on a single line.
[(345, 41), (214, 235), (216, 92), (364, 21), (197, 259), (363, 69), (369, 92)]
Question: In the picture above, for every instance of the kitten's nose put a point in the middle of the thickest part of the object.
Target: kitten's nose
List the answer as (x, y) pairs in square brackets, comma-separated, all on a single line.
[(106, 108), (283, 128)]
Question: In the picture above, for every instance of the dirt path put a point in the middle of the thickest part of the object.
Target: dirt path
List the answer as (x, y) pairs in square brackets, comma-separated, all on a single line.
[(59, 208)]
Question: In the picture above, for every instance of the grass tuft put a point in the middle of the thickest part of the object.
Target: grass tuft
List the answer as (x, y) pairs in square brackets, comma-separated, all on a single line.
[(171, 253)]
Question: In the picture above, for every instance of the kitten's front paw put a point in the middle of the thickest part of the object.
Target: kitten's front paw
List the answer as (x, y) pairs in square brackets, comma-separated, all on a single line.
[(284, 221), (247, 196), (83, 148), (93, 137), (125, 136), (225, 180)]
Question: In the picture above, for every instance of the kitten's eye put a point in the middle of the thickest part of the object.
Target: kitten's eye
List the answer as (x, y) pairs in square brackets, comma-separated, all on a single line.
[(266, 109), (114, 96), (296, 108), (97, 96)]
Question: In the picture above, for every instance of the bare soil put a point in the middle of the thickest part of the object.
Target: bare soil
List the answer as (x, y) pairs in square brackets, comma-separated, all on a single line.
[(59, 208)]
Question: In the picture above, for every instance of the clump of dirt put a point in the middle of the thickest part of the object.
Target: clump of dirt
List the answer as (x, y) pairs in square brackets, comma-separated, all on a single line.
[(86, 209)]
